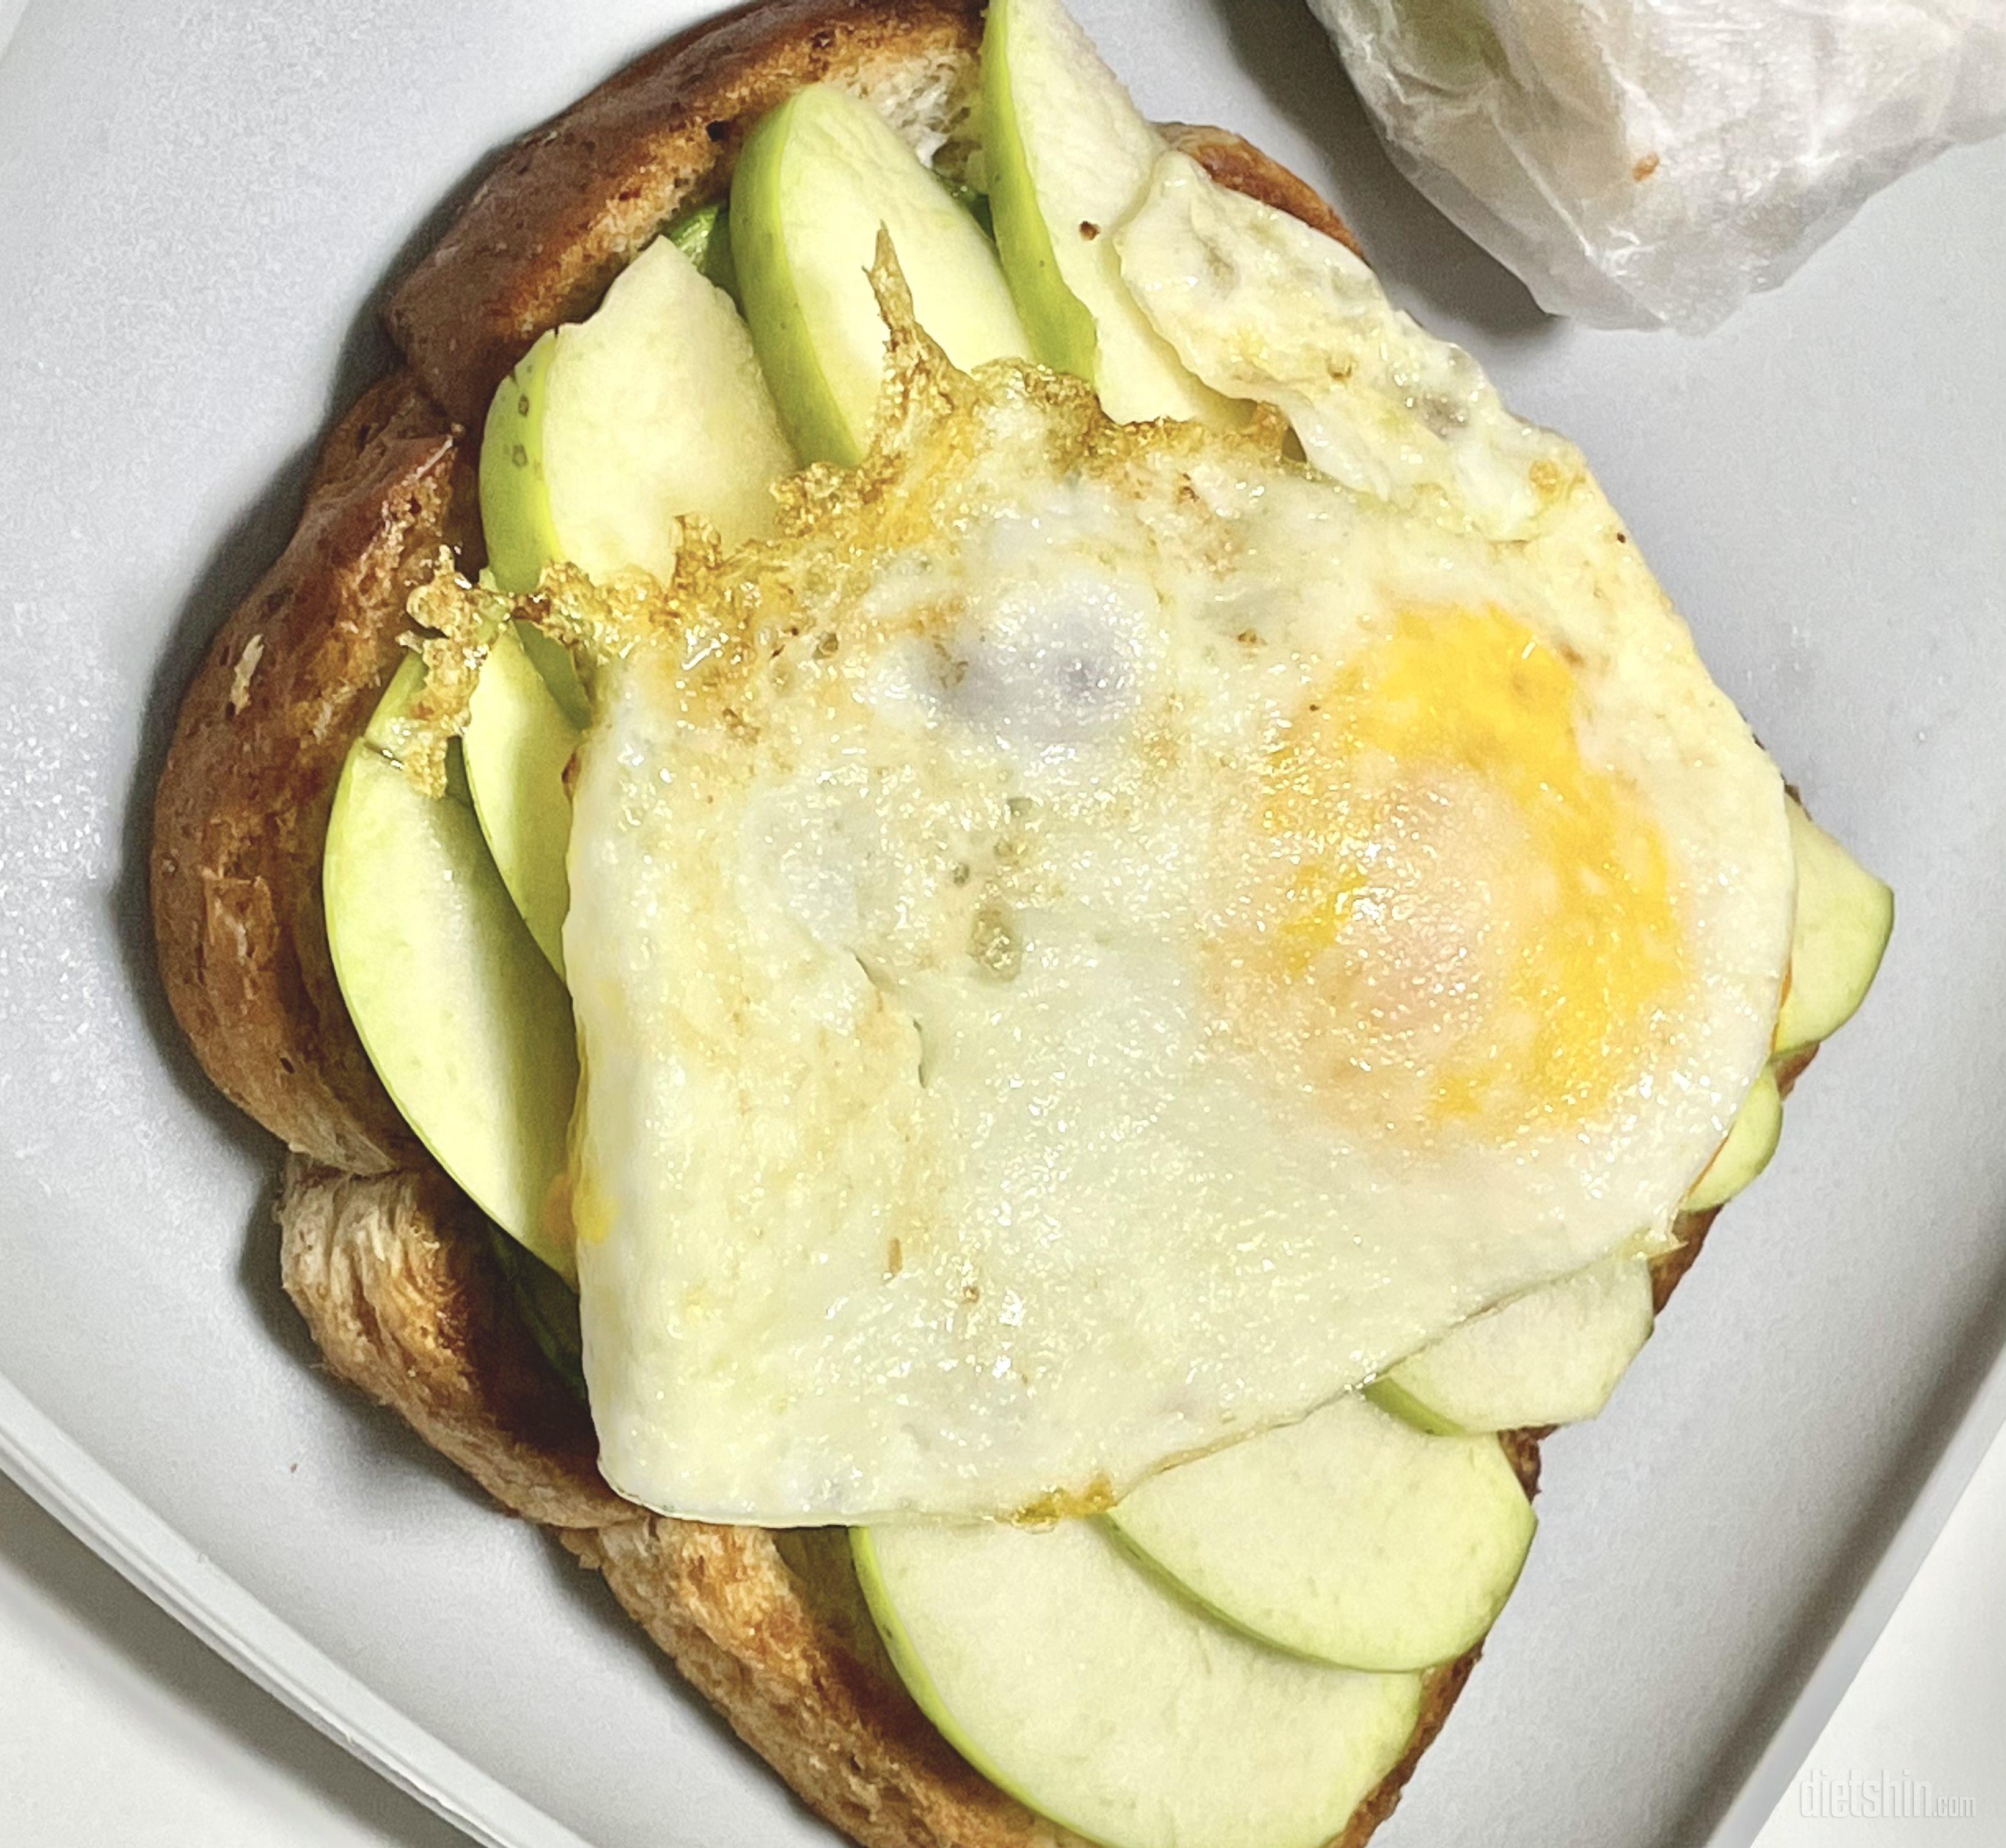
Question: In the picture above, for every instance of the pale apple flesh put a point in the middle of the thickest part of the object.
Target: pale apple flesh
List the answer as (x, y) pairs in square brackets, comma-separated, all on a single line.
[(819, 177), (519, 741), (596, 446), (515, 499), (1551, 1357), (1094, 1693), (1069, 156), (1061, 327), (1845, 917), (614, 429), (1751, 1140), (1350, 1536), (459, 1011)]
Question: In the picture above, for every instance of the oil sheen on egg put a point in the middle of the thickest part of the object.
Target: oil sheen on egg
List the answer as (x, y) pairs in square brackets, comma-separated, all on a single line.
[(1097, 940)]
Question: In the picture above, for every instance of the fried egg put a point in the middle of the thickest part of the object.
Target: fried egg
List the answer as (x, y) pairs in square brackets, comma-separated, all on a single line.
[(1098, 939)]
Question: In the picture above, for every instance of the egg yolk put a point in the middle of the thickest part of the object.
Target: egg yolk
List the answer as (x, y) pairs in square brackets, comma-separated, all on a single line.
[(1458, 921)]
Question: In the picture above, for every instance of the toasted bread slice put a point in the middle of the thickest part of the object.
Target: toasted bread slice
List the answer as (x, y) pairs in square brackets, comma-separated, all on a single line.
[(241, 813), (393, 1269), (396, 1277), (572, 203)]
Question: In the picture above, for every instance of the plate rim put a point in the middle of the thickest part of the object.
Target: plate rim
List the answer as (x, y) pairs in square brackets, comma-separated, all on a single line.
[(123, 1528), (58, 1473), (1977, 1426), (72, 1486)]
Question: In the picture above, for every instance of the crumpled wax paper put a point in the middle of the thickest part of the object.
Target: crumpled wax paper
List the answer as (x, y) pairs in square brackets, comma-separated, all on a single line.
[(1649, 163)]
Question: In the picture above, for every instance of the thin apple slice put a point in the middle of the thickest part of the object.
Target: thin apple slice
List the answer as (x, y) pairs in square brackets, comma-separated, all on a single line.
[(596, 445), (1553, 1356), (519, 740), (1550, 1357), (457, 1008), (704, 236), (819, 178), (1089, 1690), (1068, 157), (610, 431), (548, 1306), (1350, 1536), (1845, 917), (515, 497), (1752, 1139)]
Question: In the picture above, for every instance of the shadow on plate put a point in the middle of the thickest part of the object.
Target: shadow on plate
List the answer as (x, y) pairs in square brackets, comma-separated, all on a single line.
[(1827, 1604), (239, 558), (61, 1571), (1280, 45), (589, 1593)]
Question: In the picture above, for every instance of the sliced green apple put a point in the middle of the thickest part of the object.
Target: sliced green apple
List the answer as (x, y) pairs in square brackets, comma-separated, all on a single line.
[(1089, 1690), (595, 445), (1550, 1357), (610, 431), (1845, 917), (553, 660), (515, 496), (704, 236), (1350, 1536), (1751, 1140), (457, 1008), (548, 1306), (519, 740), (818, 178), (1068, 157)]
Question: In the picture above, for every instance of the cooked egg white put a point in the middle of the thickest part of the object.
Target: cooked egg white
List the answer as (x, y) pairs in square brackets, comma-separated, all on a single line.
[(1262, 306), (1098, 939)]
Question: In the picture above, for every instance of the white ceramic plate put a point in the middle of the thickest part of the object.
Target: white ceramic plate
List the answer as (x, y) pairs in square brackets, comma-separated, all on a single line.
[(198, 207)]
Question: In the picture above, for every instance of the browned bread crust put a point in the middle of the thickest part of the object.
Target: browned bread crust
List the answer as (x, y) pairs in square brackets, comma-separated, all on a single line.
[(242, 811), (570, 205), (1234, 160), (573, 202), (395, 1276), (396, 1279), (772, 1629), (390, 1264)]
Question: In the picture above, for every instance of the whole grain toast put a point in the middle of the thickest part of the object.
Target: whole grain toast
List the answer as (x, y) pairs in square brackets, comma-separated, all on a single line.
[(396, 1277), (392, 1269), (241, 813)]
